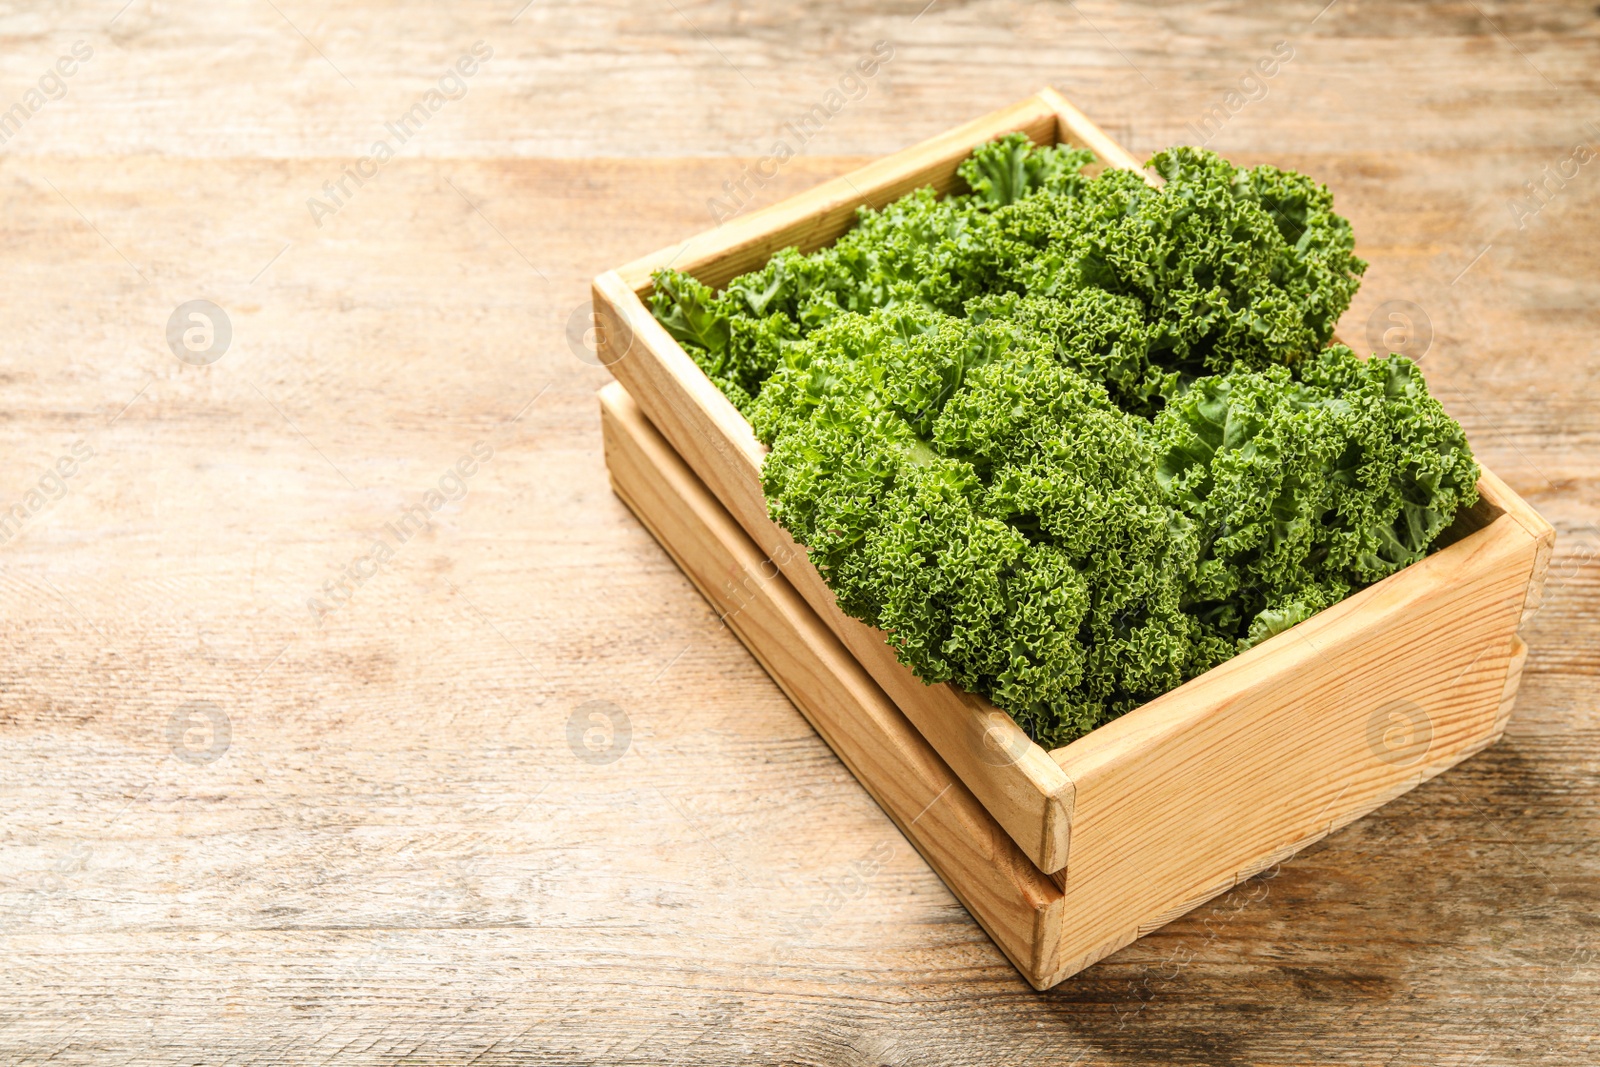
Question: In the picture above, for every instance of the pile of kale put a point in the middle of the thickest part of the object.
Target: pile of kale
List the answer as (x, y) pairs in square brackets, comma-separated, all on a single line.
[(1071, 441)]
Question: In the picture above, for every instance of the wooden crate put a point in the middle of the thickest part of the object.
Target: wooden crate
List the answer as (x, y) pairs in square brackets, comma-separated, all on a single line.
[(1039, 921), (1157, 811)]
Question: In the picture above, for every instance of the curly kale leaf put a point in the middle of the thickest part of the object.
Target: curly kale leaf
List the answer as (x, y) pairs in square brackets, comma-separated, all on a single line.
[(1211, 257), (1102, 336), (987, 506), (736, 349), (1242, 456), (1318, 268), (690, 313), (1007, 170), (1221, 266), (1305, 490), (1405, 472)]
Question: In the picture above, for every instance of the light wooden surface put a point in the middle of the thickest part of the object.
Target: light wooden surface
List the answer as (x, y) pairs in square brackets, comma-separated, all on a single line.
[(399, 856)]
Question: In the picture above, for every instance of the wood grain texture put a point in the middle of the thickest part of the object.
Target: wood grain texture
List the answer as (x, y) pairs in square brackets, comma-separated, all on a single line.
[(361, 877)]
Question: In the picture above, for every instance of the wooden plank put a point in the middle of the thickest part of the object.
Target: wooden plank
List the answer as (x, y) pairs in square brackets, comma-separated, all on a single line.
[(1501, 495), (1508, 695), (1074, 127), (1281, 745), (1008, 896), (1015, 779)]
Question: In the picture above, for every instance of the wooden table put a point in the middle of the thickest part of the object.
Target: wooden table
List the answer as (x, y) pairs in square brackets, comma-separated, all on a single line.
[(511, 794)]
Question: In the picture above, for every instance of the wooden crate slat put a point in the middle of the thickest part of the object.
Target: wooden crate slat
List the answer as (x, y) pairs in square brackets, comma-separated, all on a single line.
[(1075, 128), (1014, 778), (1008, 896), (1267, 754)]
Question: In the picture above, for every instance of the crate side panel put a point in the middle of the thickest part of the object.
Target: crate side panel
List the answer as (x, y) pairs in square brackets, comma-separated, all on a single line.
[(1014, 778), (705, 429), (1011, 898), (1341, 720)]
